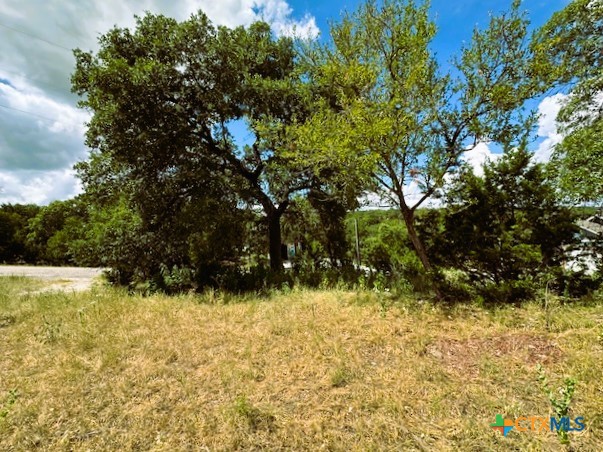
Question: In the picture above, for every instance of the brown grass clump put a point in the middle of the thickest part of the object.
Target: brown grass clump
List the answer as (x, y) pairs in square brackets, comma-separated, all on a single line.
[(102, 370), (463, 357)]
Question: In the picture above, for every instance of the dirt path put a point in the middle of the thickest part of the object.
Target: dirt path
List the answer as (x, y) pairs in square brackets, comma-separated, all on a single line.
[(60, 278)]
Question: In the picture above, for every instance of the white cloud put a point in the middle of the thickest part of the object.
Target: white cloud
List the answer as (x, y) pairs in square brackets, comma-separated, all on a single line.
[(306, 29), (545, 149), (10, 11), (37, 152), (243, 12), (231, 13), (478, 156), (547, 131), (38, 132), (547, 127), (37, 187), (59, 117), (413, 194), (548, 110)]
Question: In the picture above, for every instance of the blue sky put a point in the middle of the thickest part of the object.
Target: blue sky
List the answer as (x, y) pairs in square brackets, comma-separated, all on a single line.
[(455, 18), (41, 128)]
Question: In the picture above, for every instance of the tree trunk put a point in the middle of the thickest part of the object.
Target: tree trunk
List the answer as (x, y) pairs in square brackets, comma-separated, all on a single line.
[(274, 240), (409, 220), (419, 248)]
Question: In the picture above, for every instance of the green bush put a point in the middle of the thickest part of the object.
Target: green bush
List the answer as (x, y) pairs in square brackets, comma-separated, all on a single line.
[(506, 230), (577, 284)]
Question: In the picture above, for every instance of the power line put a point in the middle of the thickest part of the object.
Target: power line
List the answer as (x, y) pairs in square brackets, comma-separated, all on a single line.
[(36, 37), (28, 113)]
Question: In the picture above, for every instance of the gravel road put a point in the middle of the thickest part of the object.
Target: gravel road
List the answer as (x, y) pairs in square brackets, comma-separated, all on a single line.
[(60, 278)]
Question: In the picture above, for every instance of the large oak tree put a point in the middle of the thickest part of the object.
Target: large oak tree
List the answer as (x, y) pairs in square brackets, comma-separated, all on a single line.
[(165, 98)]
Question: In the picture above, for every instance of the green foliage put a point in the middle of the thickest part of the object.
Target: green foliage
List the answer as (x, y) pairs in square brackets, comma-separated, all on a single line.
[(576, 284), (561, 406), (53, 231), (177, 279), (391, 118), (172, 202), (316, 223), (578, 162), (9, 401), (114, 238), (14, 247), (386, 249), (259, 279), (342, 376), (505, 229), (166, 180), (165, 98), (332, 209), (170, 252), (254, 417), (49, 331), (302, 225), (568, 49)]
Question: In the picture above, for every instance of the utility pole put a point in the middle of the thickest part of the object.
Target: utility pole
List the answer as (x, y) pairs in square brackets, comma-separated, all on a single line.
[(357, 241)]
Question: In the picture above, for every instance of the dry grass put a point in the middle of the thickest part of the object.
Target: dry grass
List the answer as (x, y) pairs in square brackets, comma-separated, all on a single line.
[(298, 371)]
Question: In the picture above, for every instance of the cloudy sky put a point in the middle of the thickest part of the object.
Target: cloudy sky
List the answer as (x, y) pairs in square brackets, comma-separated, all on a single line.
[(41, 129)]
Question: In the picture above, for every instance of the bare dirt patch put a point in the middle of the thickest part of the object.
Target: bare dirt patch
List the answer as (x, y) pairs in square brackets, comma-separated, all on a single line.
[(463, 357), (59, 278)]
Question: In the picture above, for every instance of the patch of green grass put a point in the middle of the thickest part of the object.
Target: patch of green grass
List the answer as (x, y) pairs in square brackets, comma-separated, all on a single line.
[(18, 284), (254, 417), (9, 401), (341, 377)]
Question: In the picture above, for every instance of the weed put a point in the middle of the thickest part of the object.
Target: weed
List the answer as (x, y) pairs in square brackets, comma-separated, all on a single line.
[(12, 397), (7, 320), (551, 306), (255, 418), (48, 332), (362, 284), (384, 304), (341, 377), (561, 406), (380, 283)]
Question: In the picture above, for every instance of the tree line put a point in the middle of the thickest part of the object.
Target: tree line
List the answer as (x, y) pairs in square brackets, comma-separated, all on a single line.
[(174, 197)]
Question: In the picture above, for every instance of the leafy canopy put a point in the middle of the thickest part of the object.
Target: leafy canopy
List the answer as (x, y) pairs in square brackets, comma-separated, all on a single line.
[(391, 117), (165, 98), (569, 49)]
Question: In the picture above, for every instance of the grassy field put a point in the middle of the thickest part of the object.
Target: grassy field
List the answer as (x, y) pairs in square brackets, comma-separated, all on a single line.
[(305, 370)]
